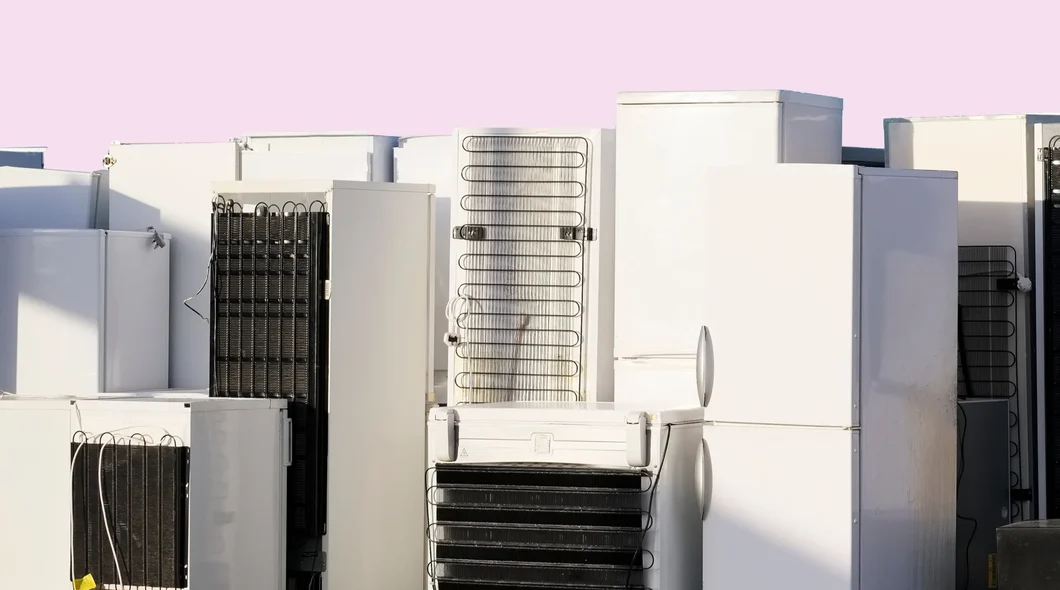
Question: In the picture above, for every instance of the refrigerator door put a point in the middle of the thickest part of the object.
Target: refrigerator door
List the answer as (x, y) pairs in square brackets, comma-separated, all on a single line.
[(778, 291), (782, 508)]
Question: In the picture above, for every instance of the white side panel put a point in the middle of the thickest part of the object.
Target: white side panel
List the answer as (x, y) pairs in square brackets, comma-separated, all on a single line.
[(46, 199), (137, 314), (335, 156), (35, 511), (169, 186), (432, 160), (51, 312), (783, 508), (908, 382), (381, 308), (238, 493), (811, 134), (778, 291), (342, 165), (994, 159)]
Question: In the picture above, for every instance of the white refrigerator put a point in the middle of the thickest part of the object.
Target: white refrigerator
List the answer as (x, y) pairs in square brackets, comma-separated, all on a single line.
[(820, 334)]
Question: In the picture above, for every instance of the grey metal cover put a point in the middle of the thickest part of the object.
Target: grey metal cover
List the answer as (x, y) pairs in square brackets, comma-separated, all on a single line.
[(521, 295)]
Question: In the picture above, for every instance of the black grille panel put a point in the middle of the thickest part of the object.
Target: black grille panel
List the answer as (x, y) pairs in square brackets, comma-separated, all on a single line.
[(522, 287), (988, 320), (1051, 323), (268, 320), (144, 501), (539, 527)]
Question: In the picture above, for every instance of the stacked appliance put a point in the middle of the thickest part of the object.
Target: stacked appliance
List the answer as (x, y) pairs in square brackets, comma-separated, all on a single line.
[(22, 157), (827, 408), (531, 309), (1007, 165), (831, 405), (126, 492), (168, 186), (311, 306), (431, 159), (83, 311), (666, 140)]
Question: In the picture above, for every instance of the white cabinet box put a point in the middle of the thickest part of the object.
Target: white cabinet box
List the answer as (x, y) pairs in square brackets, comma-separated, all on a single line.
[(48, 199), (83, 311)]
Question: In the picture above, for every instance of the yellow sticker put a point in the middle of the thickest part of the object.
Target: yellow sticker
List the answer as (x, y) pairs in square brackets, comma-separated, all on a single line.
[(991, 570), (85, 583)]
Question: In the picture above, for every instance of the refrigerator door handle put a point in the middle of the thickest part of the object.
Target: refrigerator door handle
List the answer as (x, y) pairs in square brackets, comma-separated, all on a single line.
[(703, 479), (704, 366)]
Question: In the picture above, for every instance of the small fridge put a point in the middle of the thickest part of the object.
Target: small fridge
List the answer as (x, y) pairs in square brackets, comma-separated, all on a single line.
[(83, 312)]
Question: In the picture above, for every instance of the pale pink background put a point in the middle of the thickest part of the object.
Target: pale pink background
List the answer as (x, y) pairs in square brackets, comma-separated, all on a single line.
[(79, 74)]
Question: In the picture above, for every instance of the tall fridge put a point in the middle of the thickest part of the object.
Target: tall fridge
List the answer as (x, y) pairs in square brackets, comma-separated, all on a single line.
[(819, 331)]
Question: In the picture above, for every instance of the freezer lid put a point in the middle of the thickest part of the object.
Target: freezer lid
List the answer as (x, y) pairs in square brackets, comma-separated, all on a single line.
[(565, 413)]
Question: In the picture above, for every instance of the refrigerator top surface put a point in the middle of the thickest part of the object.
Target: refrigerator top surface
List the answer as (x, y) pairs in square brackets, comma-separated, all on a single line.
[(18, 402), (246, 189), (568, 412), (730, 97), (190, 401), (1029, 118)]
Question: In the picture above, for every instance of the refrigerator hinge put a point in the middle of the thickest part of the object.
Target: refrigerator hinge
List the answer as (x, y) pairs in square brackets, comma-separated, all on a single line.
[(637, 439), (1043, 154), (327, 289), (469, 232), (580, 234)]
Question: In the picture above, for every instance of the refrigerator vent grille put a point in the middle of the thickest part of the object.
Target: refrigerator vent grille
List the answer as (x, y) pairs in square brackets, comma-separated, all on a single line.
[(988, 320), (538, 527), (522, 286), (268, 320), (1051, 324), (144, 496)]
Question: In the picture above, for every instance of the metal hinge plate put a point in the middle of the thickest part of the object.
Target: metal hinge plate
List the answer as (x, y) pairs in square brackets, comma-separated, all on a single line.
[(469, 232), (327, 289), (580, 234)]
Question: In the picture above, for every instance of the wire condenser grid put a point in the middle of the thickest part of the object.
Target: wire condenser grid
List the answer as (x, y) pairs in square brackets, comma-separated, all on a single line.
[(269, 335), (521, 295)]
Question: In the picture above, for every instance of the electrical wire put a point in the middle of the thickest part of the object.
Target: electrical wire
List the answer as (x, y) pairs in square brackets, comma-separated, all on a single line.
[(103, 512), (73, 465), (962, 432), (651, 503)]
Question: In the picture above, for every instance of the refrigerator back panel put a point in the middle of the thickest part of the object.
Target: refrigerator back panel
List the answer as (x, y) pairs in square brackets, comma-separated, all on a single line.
[(142, 486), (268, 324), (521, 264)]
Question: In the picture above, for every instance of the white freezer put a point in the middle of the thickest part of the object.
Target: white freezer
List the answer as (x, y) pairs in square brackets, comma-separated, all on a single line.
[(1002, 196), (835, 280), (431, 159), (83, 312), (828, 509)]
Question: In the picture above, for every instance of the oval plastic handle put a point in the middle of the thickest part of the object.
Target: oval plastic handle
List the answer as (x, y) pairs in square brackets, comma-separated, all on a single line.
[(705, 366), (703, 479)]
